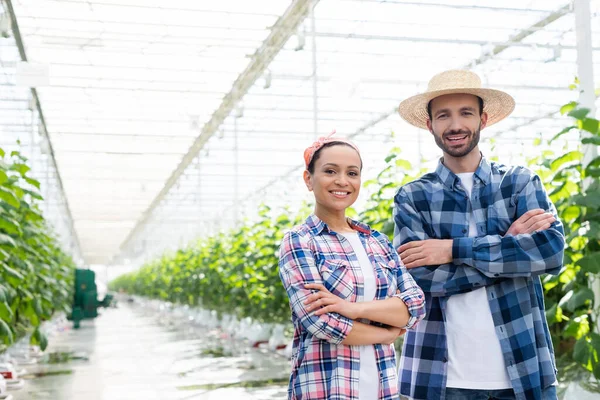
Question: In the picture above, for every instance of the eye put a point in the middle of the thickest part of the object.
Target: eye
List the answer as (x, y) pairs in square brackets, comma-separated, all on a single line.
[(353, 173), (329, 171), (467, 113), (442, 116)]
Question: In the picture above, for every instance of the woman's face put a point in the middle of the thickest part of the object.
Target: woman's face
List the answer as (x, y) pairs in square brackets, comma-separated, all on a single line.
[(336, 178)]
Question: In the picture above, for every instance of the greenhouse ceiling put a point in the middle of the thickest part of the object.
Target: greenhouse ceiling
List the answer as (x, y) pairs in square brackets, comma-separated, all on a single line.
[(158, 122)]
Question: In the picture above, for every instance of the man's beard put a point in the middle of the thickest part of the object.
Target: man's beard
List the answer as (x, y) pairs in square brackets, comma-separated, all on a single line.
[(461, 152)]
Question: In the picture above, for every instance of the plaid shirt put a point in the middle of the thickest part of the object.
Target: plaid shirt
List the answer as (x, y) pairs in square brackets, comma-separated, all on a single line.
[(323, 367), (437, 207)]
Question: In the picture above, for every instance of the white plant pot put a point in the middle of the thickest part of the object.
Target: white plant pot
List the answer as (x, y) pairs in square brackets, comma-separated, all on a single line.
[(277, 340), (259, 333)]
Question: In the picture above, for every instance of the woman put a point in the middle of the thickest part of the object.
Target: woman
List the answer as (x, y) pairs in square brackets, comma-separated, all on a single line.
[(349, 294)]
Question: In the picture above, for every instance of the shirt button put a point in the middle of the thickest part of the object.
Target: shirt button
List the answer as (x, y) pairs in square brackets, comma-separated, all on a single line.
[(464, 230), (496, 274), (445, 360)]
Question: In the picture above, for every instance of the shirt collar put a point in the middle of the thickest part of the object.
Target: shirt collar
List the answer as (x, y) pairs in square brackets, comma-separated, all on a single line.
[(449, 178), (317, 226)]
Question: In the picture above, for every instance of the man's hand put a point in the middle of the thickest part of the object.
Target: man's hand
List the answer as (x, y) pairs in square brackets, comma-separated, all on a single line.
[(426, 252), (530, 222), (324, 301)]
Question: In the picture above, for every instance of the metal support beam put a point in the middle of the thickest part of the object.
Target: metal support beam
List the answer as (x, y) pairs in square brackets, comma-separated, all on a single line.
[(587, 99), (19, 42), (282, 30), (497, 50)]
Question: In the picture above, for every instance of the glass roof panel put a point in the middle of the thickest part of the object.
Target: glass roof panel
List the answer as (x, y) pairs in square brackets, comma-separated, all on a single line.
[(133, 83)]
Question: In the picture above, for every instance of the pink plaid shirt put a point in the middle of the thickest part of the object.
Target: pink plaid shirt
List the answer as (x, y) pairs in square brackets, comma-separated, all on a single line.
[(322, 367)]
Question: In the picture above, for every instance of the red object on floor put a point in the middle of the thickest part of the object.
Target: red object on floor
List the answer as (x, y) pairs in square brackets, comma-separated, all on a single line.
[(7, 374)]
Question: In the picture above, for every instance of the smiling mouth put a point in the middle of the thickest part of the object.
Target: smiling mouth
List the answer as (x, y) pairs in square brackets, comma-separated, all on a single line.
[(340, 194), (456, 138)]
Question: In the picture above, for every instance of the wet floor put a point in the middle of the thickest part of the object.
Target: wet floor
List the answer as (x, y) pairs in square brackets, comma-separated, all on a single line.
[(130, 353)]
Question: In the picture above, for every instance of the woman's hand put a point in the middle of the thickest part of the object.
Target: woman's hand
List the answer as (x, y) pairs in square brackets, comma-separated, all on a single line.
[(324, 302), (395, 333)]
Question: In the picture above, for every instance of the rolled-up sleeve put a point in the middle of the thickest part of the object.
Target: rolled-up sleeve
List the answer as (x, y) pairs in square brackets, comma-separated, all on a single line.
[(522, 255), (296, 269)]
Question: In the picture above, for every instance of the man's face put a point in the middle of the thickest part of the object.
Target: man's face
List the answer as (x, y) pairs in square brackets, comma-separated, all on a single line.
[(456, 123)]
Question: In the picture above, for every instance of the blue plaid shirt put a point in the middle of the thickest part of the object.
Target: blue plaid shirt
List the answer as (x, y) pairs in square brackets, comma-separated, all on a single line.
[(437, 207)]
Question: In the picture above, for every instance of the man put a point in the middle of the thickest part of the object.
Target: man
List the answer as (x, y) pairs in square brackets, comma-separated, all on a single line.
[(476, 236)]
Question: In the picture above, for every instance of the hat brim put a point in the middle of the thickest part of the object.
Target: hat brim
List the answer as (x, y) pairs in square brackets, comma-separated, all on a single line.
[(496, 103)]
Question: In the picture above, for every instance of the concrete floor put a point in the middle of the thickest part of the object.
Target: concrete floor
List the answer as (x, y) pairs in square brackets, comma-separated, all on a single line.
[(133, 355)]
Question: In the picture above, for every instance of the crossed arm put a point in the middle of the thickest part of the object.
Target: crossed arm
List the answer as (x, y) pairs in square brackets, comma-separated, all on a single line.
[(533, 245), (300, 276)]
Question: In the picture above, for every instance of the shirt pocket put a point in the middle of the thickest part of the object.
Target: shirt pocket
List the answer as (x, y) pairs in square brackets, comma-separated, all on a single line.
[(338, 278), (502, 214), (387, 279)]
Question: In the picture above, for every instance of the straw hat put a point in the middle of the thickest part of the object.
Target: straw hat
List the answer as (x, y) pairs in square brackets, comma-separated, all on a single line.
[(497, 104)]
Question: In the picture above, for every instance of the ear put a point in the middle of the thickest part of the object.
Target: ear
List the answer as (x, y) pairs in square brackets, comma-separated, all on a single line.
[(308, 180), (429, 126), (484, 119)]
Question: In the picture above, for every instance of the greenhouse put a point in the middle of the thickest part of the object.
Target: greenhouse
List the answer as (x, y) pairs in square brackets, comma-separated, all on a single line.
[(151, 171)]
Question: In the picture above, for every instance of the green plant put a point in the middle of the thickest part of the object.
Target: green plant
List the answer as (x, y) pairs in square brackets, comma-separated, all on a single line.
[(235, 272), (36, 276), (575, 191)]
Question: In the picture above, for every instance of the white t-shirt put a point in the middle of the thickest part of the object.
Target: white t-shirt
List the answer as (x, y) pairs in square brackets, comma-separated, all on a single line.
[(368, 384), (475, 358)]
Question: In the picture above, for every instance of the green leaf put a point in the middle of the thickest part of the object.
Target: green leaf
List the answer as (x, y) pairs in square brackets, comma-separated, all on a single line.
[(12, 272), (3, 177), (597, 371), (32, 315), (590, 263), (568, 107), (404, 165), (22, 169), (577, 327), (390, 157), (6, 332), (559, 134), (572, 156), (18, 192), (32, 182), (581, 352), (8, 196), (578, 113), (593, 168), (591, 200), (7, 240), (2, 153), (551, 314), (589, 124), (595, 140), (10, 226), (6, 313), (33, 194), (570, 213), (39, 338), (579, 298)]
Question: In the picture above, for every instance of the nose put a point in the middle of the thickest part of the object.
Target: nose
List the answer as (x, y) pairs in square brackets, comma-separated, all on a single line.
[(455, 125), (341, 180)]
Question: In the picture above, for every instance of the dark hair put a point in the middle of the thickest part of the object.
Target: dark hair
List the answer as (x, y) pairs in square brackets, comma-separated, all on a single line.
[(478, 98), (311, 166)]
